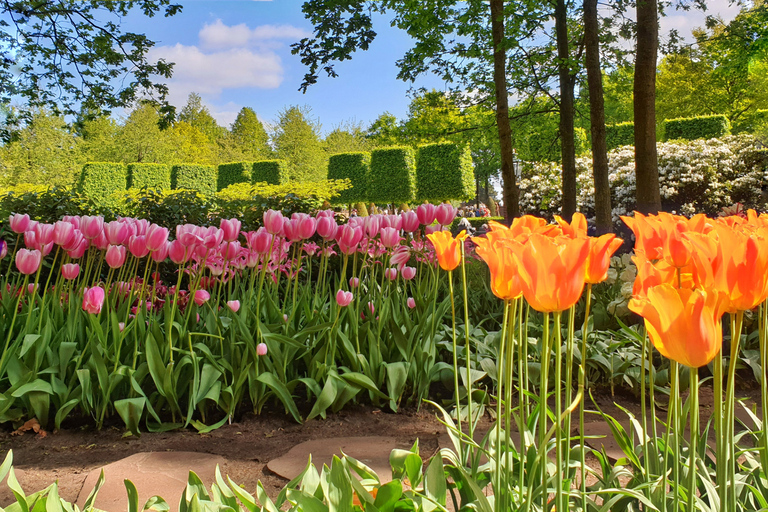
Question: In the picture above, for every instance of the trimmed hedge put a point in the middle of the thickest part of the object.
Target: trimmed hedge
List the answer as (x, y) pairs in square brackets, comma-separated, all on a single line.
[(202, 178), (444, 171), (356, 167), (393, 176), (156, 176), (274, 172), (99, 180), (692, 128), (620, 134), (235, 172), (476, 222)]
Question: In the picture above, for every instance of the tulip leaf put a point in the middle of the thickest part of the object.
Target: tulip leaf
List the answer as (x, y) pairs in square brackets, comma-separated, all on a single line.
[(282, 393), (131, 411), (28, 343)]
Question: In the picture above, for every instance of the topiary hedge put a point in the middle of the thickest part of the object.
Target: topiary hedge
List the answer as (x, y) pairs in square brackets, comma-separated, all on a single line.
[(692, 128), (156, 176), (444, 171), (99, 180), (202, 178), (274, 172), (476, 222), (235, 172), (393, 176), (356, 167), (621, 134)]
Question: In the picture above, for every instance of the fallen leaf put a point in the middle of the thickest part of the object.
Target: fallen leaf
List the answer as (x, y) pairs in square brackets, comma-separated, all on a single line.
[(32, 425)]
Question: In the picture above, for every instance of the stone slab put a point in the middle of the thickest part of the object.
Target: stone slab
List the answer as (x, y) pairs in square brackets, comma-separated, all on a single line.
[(154, 474)]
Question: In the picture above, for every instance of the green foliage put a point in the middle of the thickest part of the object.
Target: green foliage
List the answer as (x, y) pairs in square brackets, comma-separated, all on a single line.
[(168, 207), (273, 172), (692, 128), (751, 122), (475, 222), (42, 203), (621, 134), (99, 180), (393, 176), (443, 172), (249, 136), (235, 172), (297, 140), (198, 115), (149, 175), (356, 167), (202, 178)]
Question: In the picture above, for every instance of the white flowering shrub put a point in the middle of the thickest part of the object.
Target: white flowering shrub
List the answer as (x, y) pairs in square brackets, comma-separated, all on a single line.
[(694, 176)]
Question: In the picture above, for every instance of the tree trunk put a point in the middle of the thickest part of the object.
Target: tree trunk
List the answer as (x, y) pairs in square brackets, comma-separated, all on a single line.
[(511, 192), (646, 164), (597, 119), (567, 145)]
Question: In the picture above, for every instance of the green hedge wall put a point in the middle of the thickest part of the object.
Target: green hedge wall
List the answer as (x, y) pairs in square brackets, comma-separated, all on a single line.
[(202, 178), (274, 172), (235, 172), (393, 176), (99, 180), (621, 134), (476, 222), (444, 171), (356, 167), (156, 176), (692, 128)]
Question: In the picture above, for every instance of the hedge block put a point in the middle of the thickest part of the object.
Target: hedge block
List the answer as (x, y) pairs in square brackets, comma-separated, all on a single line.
[(156, 176), (356, 167), (621, 134), (701, 127), (201, 178), (392, 176), (274, 172), (444, 171), (235, 172), (99, 180)]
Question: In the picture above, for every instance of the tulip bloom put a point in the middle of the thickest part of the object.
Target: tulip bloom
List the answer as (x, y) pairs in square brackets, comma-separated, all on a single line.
[(426, 213), (231, 229), (44, 233), (63, 233), (390, 237), (348, 237), (138, 246), (327, 228), (273, 221), (408, 273), (156, 237), (505, 277), (91, 226), (261, 349), (683, 324), (201, 297), (28, 261), (576, 228), (447, 248), (70, 271), (391, 274), (19, 223), (116, 232), (3, 249), (93, 299), (234, 305), (411, 302), (599, 260), (410, 221), (354, 282), (343, 298), (445, 213), (115, 256)]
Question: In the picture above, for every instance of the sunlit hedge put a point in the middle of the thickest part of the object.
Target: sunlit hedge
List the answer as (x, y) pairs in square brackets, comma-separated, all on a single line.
[(142, 175), (356, 167)]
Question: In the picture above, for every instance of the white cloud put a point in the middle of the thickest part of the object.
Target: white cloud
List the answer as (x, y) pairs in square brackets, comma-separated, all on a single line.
[(219, 35)]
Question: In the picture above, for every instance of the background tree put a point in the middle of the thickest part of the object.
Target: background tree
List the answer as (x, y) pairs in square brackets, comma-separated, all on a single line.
[(248, 134), (140, 139), (196, 114), (296, 139), (346, 138)]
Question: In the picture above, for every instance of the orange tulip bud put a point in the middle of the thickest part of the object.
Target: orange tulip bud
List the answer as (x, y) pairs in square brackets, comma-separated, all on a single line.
[(599, 260), (447, 248)]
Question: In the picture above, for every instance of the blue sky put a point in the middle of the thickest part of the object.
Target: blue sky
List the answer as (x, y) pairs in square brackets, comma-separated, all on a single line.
[(237, 53)]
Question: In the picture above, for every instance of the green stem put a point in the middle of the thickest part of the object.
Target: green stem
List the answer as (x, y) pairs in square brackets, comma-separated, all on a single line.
[(544, 362), (456, 365), (582, 385), (467, 351), (694, 438), (13, 321), (499, 492), (559, 505)]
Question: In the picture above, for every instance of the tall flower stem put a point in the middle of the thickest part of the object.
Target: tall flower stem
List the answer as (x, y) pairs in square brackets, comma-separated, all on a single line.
[(730, 416), (544, 361), (559, 505), (582, 382), (467, 351), (764, 382), (501, 471), (456, 364), (694, 437), (674, 421)]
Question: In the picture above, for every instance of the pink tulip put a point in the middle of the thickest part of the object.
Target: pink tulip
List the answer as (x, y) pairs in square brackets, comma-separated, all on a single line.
[(327, 228), (116, 232), (115, 256), (178, 252), (63, 233), (161, 253), (231, 229), (31, 288), (93, 299), (311, 248), (100, 242), (307, 225), (142, 225), (72, 219), (410, 221), (91, 226), (273, 221), (187, 235), (121, 326), (343, 298), (325, 213), (354, 282), (445, 213), (400, 256), (156, 237), (372, 224), (426, 213), (201, 297), (348, 238), (411, 302), (391, 274), (28, 261), (19, 223), (285, 318), (234, 305), (408, 273), (78, 252), (137, 244), (232, 250), (432, 229), (46, 249), (30, 240), (390, 237), (44, 233), (392, 221), (291, 228), (75, 241), (70, 271), (261, 349), (262, 242), (212, 237)]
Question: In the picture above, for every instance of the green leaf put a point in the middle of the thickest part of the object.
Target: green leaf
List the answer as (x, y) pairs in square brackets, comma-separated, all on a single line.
[(388, 495), (131, 411), (282, 393)]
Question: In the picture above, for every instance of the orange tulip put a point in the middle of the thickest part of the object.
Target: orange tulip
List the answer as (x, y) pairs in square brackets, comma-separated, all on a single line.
[(552, 271), (683, 324), (498, 255), (576, 228), (648, 239), (599, 260), (650, 275), (447, 248), (745, 267), (676, 249)]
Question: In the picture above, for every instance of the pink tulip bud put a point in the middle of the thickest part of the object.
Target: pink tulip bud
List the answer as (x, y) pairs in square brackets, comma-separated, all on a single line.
[(343, 298), (187, 235), (121, 326), (28, 261), (393, 221), (115, 256), (46, 249), (426, 213), (100, 242), (93, 299), (161, 253), (445, 213), (390, 237), (70, 271), (75, 241), (411, 302), (261, 241), (63, 233), (326, 227), (44, 233), (230, 228), (410, 221), (201, 297), (307, 226), (400, 256), (234, 305), (19, 223), (156, 237), (391, 274), (285, 318), (137, 244), (354, 282), (261, 349), (79, 251), (232, 250), (91, 226), (273, 221), (30, 240), (372, 225), (291, 228), (408, 273), (116, 232), (31, 288), (348, 238), (178, 253)]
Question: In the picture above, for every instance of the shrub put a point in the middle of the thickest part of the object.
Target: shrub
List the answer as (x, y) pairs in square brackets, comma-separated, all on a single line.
[(621, 134), (156, 176), (692, 128), (42, 203), (475, 222), (444, 171), (393, 176), (356, 167), (167, 207), (273, 172), (235, 172), (201, 178), (99, 180)]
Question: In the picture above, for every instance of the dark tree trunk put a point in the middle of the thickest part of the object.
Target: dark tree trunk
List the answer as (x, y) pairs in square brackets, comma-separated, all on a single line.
[(646, 164), (597, 119), (511, 192), (567, 145)]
